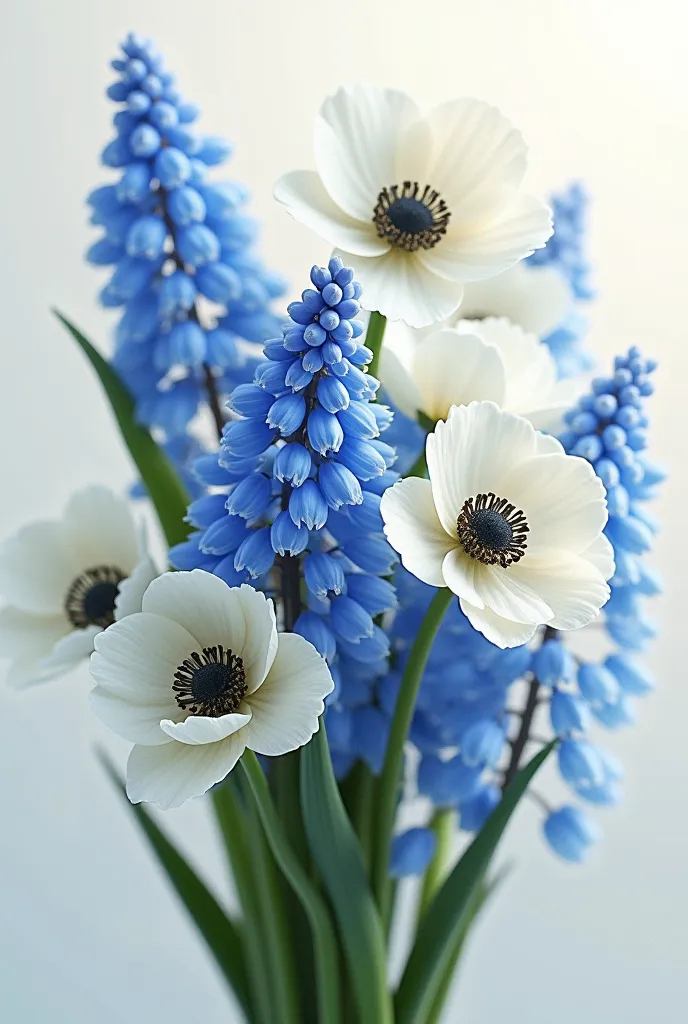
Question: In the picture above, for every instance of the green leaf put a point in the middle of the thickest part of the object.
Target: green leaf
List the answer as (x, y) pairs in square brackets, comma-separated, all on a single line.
[(481, 896), (324, 940), (220, 933), (374, 336), (448, 914), (164, 487), (337, 853)]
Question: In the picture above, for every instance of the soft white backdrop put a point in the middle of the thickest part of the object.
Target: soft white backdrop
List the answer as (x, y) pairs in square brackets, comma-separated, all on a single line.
[(89, 934)]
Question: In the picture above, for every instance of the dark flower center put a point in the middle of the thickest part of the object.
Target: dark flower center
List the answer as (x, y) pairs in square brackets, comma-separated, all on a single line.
[(90, 600), (212, 683), (492, 530), (409, 217)]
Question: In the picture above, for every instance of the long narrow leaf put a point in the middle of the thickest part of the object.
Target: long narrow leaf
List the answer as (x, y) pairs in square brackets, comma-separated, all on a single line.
[(315, 908), (337, 853), (164, 487), (220, 933), (447, 915)]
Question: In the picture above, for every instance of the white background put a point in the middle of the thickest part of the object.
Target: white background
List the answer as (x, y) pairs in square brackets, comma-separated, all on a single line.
[(89, 932)]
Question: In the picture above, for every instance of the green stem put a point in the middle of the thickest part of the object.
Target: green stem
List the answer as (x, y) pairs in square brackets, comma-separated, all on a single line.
[(358, 794), (324, 943), (401, 723), (443, 824), (374, 336), (232, 824)]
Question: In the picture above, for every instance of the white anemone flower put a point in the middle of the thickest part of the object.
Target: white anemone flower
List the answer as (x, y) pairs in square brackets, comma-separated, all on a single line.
[(492, 359), (66, 581), (537, 298), (419, 204), (507, 521), (196, 677)]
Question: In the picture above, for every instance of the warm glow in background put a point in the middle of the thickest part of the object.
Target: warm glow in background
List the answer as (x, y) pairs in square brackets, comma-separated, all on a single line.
[(90, 934)]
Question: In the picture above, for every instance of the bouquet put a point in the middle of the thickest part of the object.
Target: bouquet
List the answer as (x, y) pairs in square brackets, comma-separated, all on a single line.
[(386, 506)]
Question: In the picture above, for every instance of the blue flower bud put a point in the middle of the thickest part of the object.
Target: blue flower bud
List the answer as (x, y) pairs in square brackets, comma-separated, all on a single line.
[(633, 678), (588, 447), (608, 472), (412, 851), (568, 713), (374, 594), (185, 206), (372, 554), (475, 811), (250, 400), (332, 394), (324, 432), (552, 663), (204, 511), (296, 377), (307, 505), (186, 345), (618, 501), (140, 321), (131, 277), (197, 245), (287, 413), (371, 649), (447, 782), (146, 237), (324, 575), (597, 684), (617, 714), (218, 282), (314, 628), (250, 498), (482, 744), (186, 555), (580, 764), (359, 420), (134, 184), (361, 458), (246, 437), (118, 152), (255, 554), (339, 728), (223, 536), (313, 361), (350, 620), (214, 150), (339, 486), (176, 294), (223, 350), (286, 537), (630, 534), (366, 515), (570, 833), (292, 464), (271, 376), (145, 141)]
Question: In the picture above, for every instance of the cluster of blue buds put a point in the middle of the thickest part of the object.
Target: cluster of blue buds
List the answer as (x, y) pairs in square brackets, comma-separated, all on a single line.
[(302, 469), (566, 251), (466, 723), (191, 288)]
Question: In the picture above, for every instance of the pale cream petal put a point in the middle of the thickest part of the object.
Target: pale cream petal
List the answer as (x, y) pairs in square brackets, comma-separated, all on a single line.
[(169, 775), (239, 618), (502, 632), (100, 527), (397, 381), (286, 708), (138, 723), (523, 225), (71, 649), (459, 573), (200, 729), (536, 298), (510, 597), (573, 587), (399, 286), (306, 199), (131, 590), (453, 368), (478, 160), (413, 529), (358, 134), (24, 634), (136, 659), (601, 554), (563, 500), (37, 568)]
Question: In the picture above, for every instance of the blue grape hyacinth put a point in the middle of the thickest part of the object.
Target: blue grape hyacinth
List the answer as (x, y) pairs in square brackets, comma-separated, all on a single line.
[(191, 288), (303, 467)]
